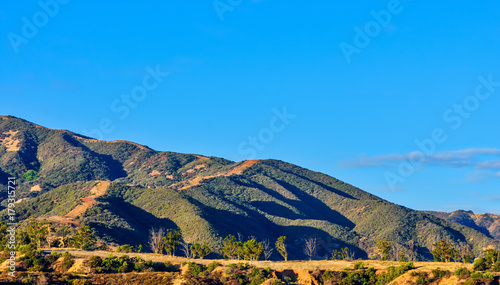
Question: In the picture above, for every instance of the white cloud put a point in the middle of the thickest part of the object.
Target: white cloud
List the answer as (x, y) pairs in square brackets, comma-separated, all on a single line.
[(482, 159)]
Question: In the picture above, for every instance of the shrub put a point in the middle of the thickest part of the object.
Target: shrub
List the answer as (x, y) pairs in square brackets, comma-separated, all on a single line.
[(67, 261), (359, 265), (462, 272), (30, 175), (422, 279), (125, 248), (81, 282), (438, 273), (328, 275), (194, 269), (480, 264), (53, 256)]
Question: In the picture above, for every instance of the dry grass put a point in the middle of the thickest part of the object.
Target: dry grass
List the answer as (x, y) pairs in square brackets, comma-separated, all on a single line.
[(276, 265)]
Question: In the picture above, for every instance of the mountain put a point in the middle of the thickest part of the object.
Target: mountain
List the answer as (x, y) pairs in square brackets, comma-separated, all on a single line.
[(122, 189), (489, 224)]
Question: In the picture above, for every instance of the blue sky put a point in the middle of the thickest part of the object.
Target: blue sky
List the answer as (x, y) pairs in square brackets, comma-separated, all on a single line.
[(338, 87)]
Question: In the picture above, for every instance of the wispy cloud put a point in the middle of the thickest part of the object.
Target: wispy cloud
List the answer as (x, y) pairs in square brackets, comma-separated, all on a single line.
[(478, 157), (486, 161)]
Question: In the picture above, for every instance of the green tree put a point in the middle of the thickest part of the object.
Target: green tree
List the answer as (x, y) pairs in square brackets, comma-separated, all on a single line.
[(384, 247), (85, 238), (281, 247), (229, 248), (252, 249), (199, 250), (30, 175), (171, 240), (444, 251)]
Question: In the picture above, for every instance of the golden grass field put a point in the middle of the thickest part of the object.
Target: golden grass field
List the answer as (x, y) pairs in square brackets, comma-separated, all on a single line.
[(275, 265)]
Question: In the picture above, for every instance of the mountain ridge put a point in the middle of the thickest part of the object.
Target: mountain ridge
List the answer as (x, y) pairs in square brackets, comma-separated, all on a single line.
[(207, 198)]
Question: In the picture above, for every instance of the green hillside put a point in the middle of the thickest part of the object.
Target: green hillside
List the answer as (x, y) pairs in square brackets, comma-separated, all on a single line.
[(207, 198)]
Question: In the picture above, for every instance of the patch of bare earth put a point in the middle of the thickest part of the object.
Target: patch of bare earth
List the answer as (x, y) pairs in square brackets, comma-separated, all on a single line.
[(201, 157), (98, 190), (9, 142), (117, 141), (36, 188), (237, 170)]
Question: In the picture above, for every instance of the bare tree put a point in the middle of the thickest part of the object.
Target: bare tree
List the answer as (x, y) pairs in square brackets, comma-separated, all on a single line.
[(310, 246), (155, 239), (184, 245), (268, 249)]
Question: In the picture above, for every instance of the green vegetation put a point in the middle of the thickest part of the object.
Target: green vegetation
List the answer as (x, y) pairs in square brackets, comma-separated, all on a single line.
[(200, 250), (281, 247), (286, 200), (462, 272), (124, 264), (384, 247), (30, 175)]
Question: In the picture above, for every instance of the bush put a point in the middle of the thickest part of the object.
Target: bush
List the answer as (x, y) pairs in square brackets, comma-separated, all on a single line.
[(81, 282), (438, 273), (462, 272), (359, 265), (68, 261), (53, 257), (194, 269), (328, 275), (422, 279), (480, 264), (125, 248), (30, 175)]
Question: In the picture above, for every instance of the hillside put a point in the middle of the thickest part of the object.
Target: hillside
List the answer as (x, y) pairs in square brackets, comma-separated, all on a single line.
[(489, 224), (122, 189)]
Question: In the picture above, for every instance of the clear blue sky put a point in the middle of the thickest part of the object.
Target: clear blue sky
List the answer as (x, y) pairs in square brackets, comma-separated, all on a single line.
[(353, 113)]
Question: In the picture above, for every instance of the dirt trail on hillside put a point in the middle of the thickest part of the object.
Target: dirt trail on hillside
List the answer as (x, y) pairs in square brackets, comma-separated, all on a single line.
[(87, 202), (98, 190), (237, 170)]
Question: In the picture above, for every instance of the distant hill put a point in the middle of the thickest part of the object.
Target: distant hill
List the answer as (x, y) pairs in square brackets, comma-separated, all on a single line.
[(489, 224), (122, 189)]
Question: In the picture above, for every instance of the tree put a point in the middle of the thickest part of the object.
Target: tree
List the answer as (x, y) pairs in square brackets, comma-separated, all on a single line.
[(184, 245), (310, 246), (171, 241), (252, 250), (200, 250), (343, 254), (466, 253), (229, 247), (84, 238), (281, 247), (155, 239), (30, 175), (384, 247), (268, 250), (443, 251)]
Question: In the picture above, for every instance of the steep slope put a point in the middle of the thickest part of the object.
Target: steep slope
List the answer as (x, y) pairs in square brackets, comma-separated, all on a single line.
[(206, 198), (489, 224)]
